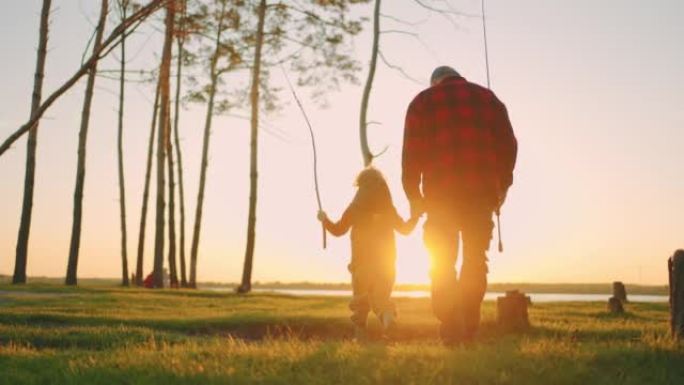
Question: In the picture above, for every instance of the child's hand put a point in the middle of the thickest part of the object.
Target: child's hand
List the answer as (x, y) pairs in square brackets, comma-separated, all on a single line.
[(417, 208), (413, 221), (322, 216), (406, 227), (415, 217)]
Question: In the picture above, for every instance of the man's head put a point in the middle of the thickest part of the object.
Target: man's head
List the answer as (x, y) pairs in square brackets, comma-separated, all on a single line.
[(440, 73)]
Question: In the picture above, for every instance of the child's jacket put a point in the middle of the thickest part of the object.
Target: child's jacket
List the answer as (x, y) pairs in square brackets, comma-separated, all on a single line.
[(372, 233)]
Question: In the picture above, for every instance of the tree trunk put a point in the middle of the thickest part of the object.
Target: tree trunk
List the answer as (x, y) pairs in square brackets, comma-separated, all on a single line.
[(202, 182), (80, 167), (246, 284), (163, 130), (363, 116), (172, 210), (27, 207), (676, 278), (139, 274), (179, 157), (122, 187), (205, 154)]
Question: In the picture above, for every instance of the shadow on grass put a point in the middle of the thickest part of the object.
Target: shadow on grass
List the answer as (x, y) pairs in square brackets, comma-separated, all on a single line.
[(73, 322), (103, 333), (98, 333)]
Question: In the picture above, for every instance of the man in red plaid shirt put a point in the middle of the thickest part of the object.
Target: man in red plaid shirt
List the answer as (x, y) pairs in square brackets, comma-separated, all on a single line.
[(460, 148)]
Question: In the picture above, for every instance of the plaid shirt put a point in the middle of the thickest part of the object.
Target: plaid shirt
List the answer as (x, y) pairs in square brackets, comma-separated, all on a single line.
[(458, 141)]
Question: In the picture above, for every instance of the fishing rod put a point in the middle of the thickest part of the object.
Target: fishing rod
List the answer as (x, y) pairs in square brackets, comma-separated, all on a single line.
[(313, 146), (489, 85), (486, 50)]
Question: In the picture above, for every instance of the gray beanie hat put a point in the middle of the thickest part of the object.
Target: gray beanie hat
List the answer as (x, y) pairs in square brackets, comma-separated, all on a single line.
[(442, 72)]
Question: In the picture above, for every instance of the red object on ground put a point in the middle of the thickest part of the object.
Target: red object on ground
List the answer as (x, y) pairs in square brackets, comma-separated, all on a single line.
[(149, 281)]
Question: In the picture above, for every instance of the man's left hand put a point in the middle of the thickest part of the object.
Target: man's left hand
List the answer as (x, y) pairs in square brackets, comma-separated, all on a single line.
[(417, 207)]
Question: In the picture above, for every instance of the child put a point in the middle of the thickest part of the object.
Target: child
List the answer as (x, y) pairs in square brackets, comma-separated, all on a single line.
[(372, 219)]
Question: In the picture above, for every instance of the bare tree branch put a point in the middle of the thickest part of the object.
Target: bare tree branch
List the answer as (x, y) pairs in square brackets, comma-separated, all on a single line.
[(417, 37), (121, 29), (400, 32), (397, 68), (384, 150), (449, 11), (405, 22)]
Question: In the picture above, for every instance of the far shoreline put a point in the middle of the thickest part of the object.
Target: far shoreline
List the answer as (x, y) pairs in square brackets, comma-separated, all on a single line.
[(527, 287)]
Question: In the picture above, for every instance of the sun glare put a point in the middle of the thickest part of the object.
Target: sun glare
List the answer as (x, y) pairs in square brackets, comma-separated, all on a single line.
[(412, 260)]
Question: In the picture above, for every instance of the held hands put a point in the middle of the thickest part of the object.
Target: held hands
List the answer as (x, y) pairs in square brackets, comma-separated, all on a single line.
[(417, 211), (412, 222), (417, 208)]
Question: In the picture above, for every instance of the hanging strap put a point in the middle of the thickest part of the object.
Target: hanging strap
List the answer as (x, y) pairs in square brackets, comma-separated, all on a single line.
[(489, 86)]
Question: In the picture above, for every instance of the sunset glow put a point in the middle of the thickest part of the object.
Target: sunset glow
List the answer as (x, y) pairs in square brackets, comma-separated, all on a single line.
[(598, 188)]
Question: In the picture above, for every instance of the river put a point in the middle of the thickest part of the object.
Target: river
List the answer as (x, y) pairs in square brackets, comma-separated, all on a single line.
[(489, 296)]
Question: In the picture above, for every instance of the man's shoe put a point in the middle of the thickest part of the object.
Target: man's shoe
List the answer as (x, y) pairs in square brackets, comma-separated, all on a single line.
[(448, 334), (452, 332), (469, 337), (360, 334)]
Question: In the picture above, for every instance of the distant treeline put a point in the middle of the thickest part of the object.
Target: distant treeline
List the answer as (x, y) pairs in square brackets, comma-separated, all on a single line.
[(557, 288)]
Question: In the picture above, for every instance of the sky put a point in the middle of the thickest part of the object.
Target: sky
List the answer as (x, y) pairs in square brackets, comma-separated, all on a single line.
[(594, 91)]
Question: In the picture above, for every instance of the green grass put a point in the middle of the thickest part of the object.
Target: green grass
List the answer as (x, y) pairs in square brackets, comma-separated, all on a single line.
[(99, 335)]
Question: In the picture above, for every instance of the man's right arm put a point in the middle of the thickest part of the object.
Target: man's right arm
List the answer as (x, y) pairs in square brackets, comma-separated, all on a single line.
[(413, 155), (506, 149)]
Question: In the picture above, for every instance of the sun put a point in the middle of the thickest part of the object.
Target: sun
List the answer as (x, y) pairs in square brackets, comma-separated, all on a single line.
[(412, 260)]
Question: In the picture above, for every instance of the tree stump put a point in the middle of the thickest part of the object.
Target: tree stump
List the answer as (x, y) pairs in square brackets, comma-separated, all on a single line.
[(619, 291), (615, 305), (676, 274), (512, 310)]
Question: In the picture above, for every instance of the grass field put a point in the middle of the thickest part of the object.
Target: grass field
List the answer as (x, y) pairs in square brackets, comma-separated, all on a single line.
[(99, 335)]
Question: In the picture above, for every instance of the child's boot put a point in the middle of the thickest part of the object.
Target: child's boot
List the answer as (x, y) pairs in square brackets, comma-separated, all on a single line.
[(360, 333), (389, 324)]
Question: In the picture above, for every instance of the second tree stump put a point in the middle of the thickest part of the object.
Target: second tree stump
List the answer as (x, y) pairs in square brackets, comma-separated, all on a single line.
[(512, 310), (619, 291), (615, 305)]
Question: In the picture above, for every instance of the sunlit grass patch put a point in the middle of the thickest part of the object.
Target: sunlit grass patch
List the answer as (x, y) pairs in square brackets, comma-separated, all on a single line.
[(134, 336)]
